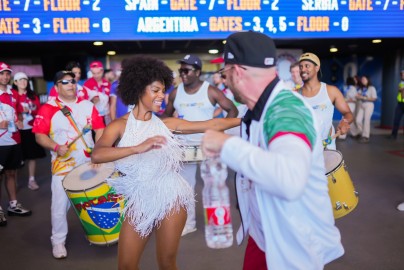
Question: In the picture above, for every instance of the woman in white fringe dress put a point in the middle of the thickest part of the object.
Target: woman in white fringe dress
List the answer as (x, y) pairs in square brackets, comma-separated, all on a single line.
[(149, 158)]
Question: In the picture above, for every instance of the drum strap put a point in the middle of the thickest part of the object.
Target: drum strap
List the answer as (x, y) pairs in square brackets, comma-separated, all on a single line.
[(66, 112)]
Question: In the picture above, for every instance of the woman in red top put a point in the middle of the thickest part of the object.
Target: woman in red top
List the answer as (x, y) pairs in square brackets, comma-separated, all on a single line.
[(29, 103)]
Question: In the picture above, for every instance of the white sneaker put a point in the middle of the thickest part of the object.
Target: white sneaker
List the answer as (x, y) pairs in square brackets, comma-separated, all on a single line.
[(400, 207), (187, 230), (32, 185), (59, 251)]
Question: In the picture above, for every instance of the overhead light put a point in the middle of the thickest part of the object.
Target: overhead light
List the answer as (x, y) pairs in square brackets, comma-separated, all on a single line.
[(377, 41), (111, 52), (98, 43), (224, 41), (333, 49), (213, 51)]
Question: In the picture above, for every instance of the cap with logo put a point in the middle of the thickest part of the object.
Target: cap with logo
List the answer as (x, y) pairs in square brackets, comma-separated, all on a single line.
[(251, 49), (310, 57), (190, 59), (4, 66), (20, 75), (60, 75), (96, 64)]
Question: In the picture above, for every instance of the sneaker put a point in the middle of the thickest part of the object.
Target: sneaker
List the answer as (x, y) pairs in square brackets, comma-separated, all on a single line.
[(32, 185), (400, 207), (3, 220), (18, 210), (187, 230), (364, 140), (59, 251)]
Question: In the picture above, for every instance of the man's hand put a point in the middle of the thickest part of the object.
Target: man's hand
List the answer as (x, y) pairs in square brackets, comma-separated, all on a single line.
[(212, 142), (3, 124)]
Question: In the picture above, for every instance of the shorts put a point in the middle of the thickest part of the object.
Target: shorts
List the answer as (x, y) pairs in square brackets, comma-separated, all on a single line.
[(11, 157), (30, 148)]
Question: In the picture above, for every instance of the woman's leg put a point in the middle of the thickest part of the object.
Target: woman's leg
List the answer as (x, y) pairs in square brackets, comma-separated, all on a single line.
[(368, 111), (168, 239), (31, 168), (359, 119), (130, 247)]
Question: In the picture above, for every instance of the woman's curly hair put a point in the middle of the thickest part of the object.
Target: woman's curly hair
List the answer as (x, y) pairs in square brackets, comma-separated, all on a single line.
[(137, 73)]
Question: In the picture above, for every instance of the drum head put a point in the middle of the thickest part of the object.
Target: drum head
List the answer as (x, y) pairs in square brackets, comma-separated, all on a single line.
[(85, 176), (332, 160)]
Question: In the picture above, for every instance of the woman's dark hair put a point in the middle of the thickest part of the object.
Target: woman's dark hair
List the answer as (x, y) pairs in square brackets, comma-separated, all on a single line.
[(137, 73), (350, 81), (30, 93), (72, 64)]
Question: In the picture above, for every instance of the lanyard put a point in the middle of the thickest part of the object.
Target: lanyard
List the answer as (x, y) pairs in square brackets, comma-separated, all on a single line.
[(69, 116)]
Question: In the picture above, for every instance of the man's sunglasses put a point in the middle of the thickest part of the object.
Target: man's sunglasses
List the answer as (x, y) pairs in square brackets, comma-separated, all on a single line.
[(185, 70), (221, 71), (65, 82)]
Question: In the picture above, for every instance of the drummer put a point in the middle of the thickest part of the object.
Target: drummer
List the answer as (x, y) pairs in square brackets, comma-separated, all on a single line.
[(58, 123), (157, 197), (322, 98)]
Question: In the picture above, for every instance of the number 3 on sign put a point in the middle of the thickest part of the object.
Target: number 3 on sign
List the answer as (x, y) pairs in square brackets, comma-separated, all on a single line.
[(37, 26), (257, 27)]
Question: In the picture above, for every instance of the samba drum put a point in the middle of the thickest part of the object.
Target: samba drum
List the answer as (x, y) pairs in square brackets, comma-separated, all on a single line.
[(342, 192), (95, 203), (192, 154)]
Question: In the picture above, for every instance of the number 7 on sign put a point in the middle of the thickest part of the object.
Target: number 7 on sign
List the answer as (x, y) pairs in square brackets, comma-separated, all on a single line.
[(26, 6), (211, 4)]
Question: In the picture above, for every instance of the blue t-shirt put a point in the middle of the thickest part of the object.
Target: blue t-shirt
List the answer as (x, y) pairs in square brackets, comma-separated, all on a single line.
[(121, 109)]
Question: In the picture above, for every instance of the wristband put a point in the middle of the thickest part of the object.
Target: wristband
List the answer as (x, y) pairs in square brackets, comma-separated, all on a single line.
[(56, 148)]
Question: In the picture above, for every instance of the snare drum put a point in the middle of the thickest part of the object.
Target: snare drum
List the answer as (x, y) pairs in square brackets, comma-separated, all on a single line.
[(95, 203), (342, 192), (193, 154)]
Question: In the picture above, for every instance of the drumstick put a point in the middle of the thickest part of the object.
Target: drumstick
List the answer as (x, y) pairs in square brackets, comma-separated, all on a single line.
[(336, 134), (86, 129)]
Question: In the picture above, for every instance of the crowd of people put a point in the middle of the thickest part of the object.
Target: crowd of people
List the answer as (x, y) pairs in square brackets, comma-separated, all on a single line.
[(143, 123)]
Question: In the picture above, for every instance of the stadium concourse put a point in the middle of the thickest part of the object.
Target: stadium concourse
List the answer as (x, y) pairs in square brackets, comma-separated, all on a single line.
[(372, 234)]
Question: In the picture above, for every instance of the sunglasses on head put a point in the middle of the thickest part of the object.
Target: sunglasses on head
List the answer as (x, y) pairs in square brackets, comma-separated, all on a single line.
[(65, 82), (185, 70)]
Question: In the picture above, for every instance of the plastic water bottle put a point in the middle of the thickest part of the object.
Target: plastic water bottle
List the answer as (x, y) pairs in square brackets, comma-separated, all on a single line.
[(216, 204)]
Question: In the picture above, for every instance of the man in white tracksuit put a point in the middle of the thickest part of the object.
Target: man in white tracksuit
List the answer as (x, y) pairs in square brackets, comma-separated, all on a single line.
[(281, 183)]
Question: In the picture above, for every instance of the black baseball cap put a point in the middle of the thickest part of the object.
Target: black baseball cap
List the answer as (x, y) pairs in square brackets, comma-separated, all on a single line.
[(251, 49), (60, 74), (191, 59)]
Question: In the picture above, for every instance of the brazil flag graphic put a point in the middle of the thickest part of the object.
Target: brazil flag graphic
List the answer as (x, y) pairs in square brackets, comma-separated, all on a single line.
[(99, 210)]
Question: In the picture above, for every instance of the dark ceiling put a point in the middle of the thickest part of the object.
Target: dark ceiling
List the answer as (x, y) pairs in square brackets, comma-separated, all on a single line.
[(319, 46)]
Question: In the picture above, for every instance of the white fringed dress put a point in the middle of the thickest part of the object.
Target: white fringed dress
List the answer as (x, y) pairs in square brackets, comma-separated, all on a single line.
[(150, 182)]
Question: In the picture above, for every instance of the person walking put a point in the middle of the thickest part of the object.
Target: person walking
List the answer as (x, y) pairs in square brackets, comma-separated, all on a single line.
[(10, 145), (366, 97), (30, 104), (58, 123)]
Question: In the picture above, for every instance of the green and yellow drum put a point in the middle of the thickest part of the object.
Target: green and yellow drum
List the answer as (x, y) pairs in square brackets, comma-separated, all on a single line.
[(94, 201)]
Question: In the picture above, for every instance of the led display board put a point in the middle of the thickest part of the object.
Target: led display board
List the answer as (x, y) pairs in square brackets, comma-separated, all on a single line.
[(59, 20)]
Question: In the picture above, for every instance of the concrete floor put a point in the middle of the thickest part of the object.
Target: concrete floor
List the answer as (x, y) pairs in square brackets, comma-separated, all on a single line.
[(373, 234)]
